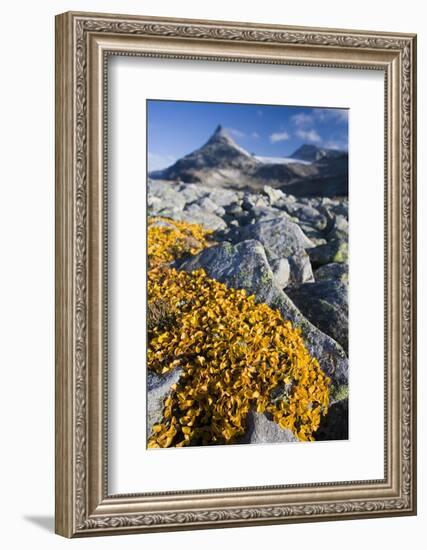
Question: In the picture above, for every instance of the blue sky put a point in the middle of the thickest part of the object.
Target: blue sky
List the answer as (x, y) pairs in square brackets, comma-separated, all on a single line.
[(175, 128)]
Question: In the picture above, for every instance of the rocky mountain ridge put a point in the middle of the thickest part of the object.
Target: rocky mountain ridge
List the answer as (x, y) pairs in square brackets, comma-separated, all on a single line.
[(221, 162)]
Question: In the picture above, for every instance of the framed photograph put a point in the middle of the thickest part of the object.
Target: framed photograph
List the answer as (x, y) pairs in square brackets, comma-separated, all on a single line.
[(235, 274)]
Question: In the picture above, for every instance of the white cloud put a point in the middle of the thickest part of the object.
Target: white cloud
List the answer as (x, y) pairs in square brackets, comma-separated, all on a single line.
[(240, 135), (301, 120), (279, 136), (340, 115), (337, 145), (332, 145), (309, 135)]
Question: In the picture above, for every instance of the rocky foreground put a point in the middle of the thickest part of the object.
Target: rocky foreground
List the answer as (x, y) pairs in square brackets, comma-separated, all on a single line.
[(291, 254)]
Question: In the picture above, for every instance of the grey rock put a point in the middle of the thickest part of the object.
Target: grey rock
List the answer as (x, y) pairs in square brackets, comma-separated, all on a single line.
[(280, 236), (338, 207), (233, 223), (307, 215), (207, 204), (274, 195), (224, 197), (334, 426), (325, 304), (300, 268), (264, 213), (259, 429), (339, 230), (154, 203), (334, 271), (164, 195), (240, 266), (334, 251), (315, 236), (158, 388), (245, 266), (251, 201), (192, 192), (281, 271), (233, 210), (294, 269), (195, 214)]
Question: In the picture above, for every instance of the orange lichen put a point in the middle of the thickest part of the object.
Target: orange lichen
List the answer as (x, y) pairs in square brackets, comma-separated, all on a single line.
[(171, 239)]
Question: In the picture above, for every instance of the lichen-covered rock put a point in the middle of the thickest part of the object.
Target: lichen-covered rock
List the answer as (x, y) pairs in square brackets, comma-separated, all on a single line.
[(334, 272), (279, 236), (325, 304), (335, 251), (159, 387), (306, 214), (245, 266), (259, 429)]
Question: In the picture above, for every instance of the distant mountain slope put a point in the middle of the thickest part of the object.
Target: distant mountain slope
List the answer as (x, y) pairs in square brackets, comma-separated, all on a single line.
[(222, 162), (312, 153)]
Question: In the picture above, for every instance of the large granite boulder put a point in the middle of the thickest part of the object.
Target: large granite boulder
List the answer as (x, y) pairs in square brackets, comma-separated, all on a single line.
[(325, 304), (280, 236)]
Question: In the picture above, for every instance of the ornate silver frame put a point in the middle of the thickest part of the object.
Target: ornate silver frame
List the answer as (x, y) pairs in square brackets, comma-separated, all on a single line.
[(83, 42)]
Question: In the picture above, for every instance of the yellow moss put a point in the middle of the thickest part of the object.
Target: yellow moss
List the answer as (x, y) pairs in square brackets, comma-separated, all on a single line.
[(170, 239), (234, 353)]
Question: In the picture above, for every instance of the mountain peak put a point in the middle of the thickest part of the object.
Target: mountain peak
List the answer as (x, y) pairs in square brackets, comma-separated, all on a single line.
[(220, 133), (312, 153), (222, 139)]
